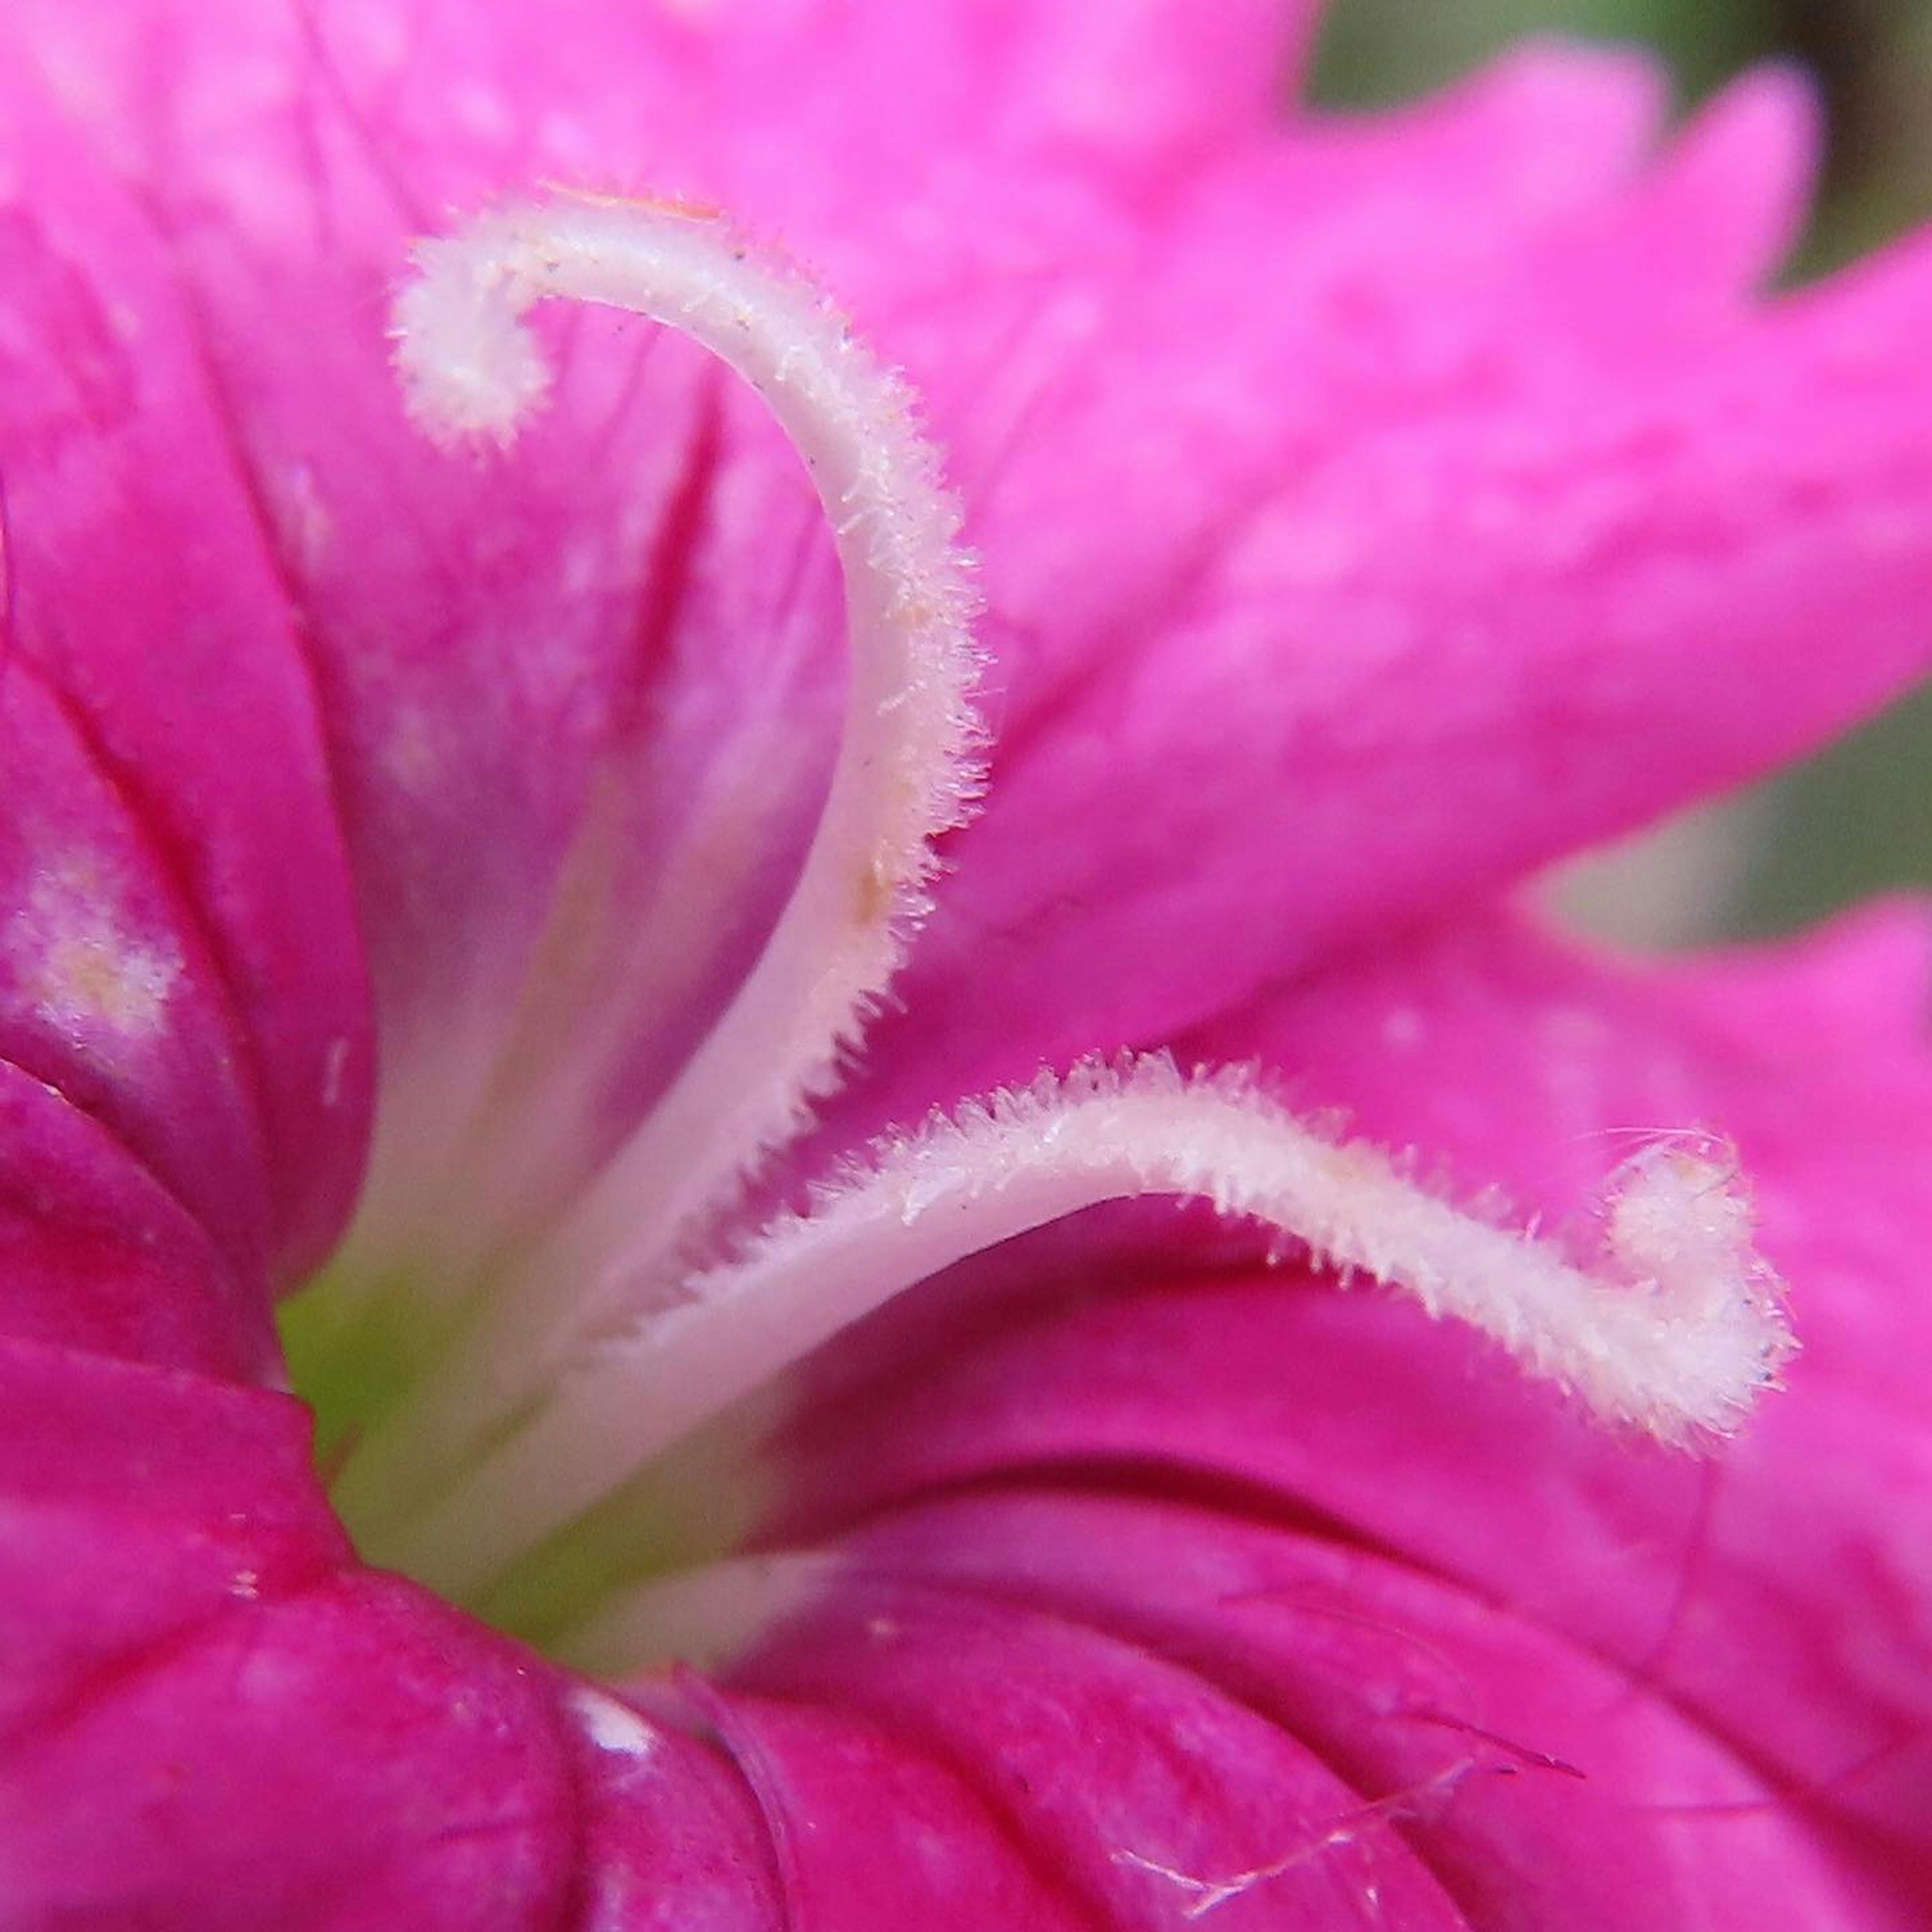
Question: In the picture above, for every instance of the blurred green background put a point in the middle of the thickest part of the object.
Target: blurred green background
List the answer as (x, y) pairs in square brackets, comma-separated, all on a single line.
[(1858, 819)]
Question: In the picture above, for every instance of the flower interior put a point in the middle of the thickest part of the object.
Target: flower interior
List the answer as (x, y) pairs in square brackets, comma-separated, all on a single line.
[(542, 1427)]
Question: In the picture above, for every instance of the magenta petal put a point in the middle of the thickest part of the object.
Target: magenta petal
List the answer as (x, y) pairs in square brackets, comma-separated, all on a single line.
[(99, 1256), (586, 673), (354, 1756), (871, 1827), (182, 958), (1130, 88), (1116, 1773), (1539, 1785), (108, 992), (490, 648), (201, 1680), (140, 1504), (1525, 551), (1126, 86)]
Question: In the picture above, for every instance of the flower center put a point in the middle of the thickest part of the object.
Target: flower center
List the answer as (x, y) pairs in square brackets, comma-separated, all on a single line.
[(540, 1429)]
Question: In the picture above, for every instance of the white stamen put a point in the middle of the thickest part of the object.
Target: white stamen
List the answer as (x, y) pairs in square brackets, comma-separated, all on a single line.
[(1678, 1332), (906, 769)]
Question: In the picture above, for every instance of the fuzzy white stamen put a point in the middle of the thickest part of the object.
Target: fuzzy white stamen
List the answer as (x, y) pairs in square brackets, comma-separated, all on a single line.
[(1676, 1332), (907, 767)]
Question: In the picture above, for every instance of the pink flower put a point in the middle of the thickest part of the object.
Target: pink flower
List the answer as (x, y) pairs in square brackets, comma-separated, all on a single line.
[(464, 882)]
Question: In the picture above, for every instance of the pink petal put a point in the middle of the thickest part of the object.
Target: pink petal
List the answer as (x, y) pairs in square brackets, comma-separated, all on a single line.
[(355, 1756), (182, 960), (1463, 1747), (99, 1256), (1108, 1767), (1126, 85), (1528, 548), (870, 1828), (212, 1718), (108, 995), (1774, 1595)]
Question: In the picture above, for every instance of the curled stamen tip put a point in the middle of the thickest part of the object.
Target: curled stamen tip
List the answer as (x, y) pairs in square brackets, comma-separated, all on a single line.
[(1679, 1224), (1675, 1212), (470, 369)]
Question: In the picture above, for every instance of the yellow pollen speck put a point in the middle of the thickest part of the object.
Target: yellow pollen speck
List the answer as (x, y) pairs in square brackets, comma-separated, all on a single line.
[(78, 968), (873, 900), (89, 980)]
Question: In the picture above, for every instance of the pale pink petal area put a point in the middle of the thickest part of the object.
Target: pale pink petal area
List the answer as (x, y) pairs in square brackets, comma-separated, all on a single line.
[(212, 1717), (1774, 1595), (818, 92), (180, 957)]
